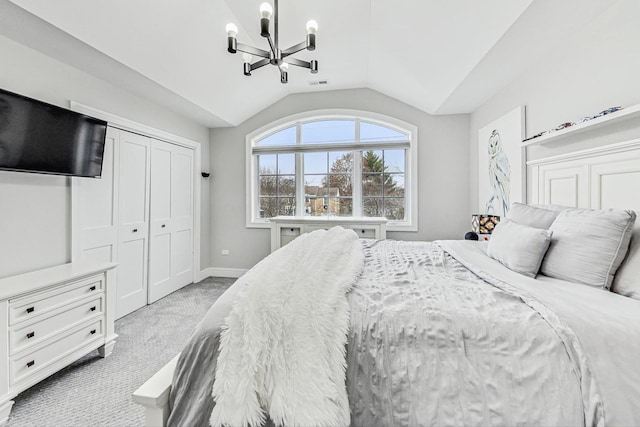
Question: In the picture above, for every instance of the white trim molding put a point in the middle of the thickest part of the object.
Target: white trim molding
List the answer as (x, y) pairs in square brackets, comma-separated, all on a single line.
[(411, 164)]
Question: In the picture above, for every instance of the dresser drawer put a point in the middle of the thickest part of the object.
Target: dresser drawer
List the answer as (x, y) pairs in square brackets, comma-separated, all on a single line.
[(365, 233), (21, 337), (25, 366), (28, 307)]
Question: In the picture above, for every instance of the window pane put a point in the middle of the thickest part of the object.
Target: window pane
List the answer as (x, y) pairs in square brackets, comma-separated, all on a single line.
[(371, 132), (314, 182), (346, 206), (287, 163), (372, 184), (372, 206), (341, 161), (372, 161), (286, 185), (267, 163), (342, 183), (394, 185), (284, 137), (394, 160), (268, 207), (328, 131), (315, 163), (268, 185), (287, 206), (315, 205), (332, 206), (394, 208)]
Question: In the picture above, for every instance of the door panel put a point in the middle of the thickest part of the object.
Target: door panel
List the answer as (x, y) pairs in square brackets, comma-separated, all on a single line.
[(133, 178), (95, 208), (182, 255), (133, 230), (171, 253)]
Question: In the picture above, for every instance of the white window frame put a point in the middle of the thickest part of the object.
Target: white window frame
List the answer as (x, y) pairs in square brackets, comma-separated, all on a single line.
[(411, 163)]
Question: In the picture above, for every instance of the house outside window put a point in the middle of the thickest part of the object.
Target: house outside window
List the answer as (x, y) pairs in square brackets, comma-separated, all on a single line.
[(338, 163)]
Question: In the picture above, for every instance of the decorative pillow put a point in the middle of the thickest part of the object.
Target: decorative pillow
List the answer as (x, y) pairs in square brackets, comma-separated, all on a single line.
[(519, 247), (532, 216), (588, 245), (627, 279)]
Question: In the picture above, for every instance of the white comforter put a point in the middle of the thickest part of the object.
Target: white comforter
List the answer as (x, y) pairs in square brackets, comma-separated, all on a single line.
[(606, 327), (430, 343)]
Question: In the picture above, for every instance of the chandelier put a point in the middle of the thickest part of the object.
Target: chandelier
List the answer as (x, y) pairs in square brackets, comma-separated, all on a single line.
[(274, 56)]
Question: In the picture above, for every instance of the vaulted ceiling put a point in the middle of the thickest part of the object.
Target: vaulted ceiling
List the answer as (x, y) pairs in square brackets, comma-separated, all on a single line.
[(442, 57)]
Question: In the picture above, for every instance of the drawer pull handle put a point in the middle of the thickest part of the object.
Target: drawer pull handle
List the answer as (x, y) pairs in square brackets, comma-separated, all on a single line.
[(93, 288), (93, 331), (93, 308), (31, 335), (30, 309), (135, 230), (163, 226), (31, 363)]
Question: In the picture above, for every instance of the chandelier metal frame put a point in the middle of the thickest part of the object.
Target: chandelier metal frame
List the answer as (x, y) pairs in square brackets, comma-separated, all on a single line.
[(274, 56)]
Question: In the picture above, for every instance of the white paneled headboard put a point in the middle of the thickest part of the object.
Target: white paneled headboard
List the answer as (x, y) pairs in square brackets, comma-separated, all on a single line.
[(596, 178)]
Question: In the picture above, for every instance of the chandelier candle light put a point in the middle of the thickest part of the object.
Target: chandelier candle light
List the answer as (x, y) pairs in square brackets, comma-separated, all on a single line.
[(275, 56)]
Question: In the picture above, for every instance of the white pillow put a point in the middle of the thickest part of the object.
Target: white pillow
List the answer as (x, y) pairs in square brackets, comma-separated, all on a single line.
[(519, 247), (627, 279), (533, 216), (588, 245)]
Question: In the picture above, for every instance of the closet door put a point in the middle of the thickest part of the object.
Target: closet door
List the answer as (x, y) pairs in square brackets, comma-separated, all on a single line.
[(95, 209), (171, 222), (133, 171)]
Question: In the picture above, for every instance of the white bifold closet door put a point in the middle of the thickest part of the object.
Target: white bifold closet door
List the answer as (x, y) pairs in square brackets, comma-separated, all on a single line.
[(95, 209), (140, 215), (171, 222), (133, 229)]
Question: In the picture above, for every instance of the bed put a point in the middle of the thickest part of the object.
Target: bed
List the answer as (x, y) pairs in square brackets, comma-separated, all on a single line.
[(451, 333)]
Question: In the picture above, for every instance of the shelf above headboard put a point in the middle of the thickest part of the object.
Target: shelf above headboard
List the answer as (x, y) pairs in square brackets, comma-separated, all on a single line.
[(609, 121)]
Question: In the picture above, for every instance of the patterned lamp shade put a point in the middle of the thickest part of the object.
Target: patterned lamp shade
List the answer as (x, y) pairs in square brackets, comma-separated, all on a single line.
[(483, 223)]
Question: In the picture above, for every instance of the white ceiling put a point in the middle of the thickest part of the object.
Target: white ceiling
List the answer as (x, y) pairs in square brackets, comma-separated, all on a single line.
[(442, 57)]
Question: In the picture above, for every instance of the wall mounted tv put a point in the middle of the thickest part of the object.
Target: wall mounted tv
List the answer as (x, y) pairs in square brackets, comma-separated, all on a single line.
[(43, 138)]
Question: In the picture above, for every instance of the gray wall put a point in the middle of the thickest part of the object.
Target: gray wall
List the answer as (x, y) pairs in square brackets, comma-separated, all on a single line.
[(443, 158), (35, 211), (594, 69)]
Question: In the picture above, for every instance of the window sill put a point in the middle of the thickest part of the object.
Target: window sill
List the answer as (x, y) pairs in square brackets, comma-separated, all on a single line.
[(391, 226)]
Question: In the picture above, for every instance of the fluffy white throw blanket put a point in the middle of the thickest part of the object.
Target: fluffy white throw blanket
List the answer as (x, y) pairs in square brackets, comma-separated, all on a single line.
[(282, 349)]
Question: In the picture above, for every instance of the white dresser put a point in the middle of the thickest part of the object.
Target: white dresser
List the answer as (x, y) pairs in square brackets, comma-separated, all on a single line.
[(286, 228), (48, 319)]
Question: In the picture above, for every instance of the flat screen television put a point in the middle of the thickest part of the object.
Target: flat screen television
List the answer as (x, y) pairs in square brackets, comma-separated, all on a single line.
[(43, 138)]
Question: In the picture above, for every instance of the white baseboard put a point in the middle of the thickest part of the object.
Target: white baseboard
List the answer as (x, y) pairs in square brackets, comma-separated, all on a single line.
[(221, 272)]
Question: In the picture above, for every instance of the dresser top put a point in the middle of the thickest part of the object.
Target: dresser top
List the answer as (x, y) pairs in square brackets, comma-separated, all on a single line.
[(32, 281)]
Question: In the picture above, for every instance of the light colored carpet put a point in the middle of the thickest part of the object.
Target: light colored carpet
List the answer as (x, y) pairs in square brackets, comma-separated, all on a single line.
[(97, 392)]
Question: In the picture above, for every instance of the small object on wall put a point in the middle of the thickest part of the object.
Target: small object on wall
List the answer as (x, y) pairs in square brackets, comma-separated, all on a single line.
[(471, 236), (484, 223), (206, 174)]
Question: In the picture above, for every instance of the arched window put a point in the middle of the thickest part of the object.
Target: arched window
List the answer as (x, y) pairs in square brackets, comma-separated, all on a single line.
[(334, 163)]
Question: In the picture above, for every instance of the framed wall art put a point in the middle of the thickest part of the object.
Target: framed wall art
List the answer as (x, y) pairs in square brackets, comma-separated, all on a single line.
[(501, 174)]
